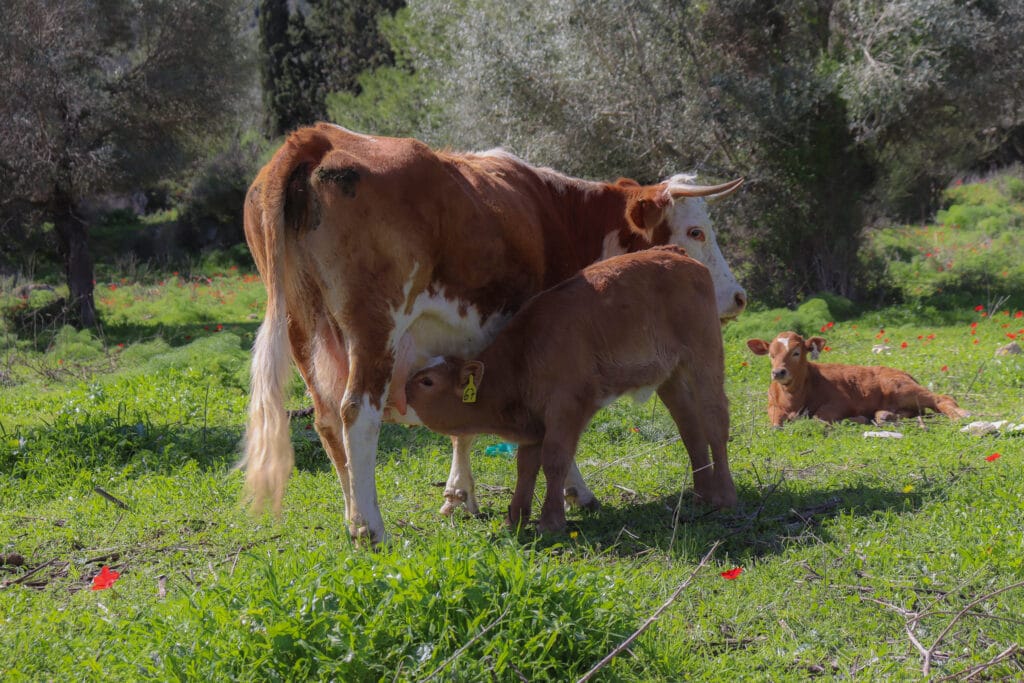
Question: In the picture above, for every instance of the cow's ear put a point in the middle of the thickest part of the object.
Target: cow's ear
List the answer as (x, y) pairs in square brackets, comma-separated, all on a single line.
[(758, 346), (647, 211), (814, 345)]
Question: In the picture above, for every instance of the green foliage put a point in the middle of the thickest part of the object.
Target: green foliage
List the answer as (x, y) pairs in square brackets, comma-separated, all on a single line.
[(319, 49), (971, 256), (391, 101), (809, 319)]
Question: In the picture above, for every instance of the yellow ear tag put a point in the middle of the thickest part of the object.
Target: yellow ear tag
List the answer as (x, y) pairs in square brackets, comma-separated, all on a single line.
[(469, 393)]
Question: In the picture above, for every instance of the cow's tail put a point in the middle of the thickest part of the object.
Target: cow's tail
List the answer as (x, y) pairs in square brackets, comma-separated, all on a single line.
[(268, 456), (271, 210)]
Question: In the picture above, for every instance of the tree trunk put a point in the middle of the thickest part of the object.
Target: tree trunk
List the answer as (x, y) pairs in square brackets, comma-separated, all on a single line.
[(74, 247)]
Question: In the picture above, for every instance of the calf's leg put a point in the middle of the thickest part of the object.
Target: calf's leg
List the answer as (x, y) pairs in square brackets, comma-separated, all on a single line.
[(703, 422), (527, 466)]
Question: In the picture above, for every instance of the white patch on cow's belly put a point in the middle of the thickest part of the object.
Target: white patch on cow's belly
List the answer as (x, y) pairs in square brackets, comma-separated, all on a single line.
[(439, 329)]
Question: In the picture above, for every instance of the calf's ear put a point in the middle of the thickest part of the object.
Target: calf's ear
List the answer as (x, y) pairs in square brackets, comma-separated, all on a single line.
[(814, 345), (758, 346), (471, 368)]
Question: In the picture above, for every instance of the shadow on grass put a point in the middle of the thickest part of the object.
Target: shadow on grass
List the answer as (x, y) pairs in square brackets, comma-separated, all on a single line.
[(764, 523)]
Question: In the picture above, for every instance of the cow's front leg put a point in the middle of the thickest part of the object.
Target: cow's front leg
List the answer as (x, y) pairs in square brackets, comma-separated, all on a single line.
[(460, 490)]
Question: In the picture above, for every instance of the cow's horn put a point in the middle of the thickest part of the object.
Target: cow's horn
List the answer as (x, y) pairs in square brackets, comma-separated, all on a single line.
[(687, 190)]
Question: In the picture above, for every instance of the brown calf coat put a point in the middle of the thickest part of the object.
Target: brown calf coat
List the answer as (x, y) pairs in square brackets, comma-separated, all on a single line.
[(833, 392), (630, 324)]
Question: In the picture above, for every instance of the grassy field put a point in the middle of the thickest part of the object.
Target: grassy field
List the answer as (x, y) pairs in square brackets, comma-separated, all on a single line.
[(862, 558)]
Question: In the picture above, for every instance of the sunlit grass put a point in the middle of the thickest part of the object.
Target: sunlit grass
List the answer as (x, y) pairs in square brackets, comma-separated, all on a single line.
[(843, 539)]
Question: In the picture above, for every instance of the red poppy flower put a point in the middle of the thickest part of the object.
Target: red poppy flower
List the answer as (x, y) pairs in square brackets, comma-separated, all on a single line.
[(994, 456), (732, 573), (974, 324), (931, 336), (979, 307), (219, 327), (945, 368), (826, 348), (1019, 314), (903, 345), (105, 579), (830, 325), (975, 341)]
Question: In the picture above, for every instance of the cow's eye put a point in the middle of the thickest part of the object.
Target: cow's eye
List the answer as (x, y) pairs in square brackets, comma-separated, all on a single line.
[(696, 234), (796, 354), (426, 381)]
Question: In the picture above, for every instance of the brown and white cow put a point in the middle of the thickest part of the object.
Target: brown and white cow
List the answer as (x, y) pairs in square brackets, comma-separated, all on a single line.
[(631, 324), (380, 253), (833, 392)]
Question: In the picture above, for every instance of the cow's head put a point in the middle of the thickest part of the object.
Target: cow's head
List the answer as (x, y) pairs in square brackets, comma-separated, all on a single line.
[(789, 354), (675, 212)]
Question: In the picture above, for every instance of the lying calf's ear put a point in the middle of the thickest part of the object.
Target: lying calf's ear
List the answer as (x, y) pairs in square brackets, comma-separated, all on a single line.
[(814, 345), (758, 346)]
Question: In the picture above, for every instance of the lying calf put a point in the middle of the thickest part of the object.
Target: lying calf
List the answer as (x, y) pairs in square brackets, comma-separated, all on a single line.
[(832, 392), (631, 324)]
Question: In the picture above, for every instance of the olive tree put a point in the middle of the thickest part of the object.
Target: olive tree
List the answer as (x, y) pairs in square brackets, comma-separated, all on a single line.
[(101, 96), (830, 108)]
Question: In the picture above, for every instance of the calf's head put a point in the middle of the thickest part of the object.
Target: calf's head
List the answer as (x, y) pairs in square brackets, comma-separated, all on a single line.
[(789, 355), (443, 395), (675, 212)]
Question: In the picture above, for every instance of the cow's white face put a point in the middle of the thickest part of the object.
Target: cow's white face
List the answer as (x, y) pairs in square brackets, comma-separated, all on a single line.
[(691, 229)]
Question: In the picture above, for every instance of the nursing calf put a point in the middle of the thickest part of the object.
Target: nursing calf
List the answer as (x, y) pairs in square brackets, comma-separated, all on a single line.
[(631, 324), (833, 392)]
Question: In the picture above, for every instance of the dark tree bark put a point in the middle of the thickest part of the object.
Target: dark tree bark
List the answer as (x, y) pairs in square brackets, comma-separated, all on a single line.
[(73, 235)]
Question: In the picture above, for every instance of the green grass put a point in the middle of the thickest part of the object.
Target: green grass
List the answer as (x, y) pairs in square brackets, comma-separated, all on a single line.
[(844, 540)]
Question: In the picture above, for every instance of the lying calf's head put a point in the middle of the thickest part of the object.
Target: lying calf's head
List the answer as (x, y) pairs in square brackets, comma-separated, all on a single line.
[(788, 353), (443, 395)]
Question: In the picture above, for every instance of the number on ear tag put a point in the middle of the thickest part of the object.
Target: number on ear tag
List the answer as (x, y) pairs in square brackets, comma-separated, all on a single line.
[(469, 393)]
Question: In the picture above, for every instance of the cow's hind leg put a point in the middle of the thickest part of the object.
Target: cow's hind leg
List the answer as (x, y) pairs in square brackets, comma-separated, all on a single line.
[(325, 370), (460, 488), (703, 422), (577, 493), (915, 399)]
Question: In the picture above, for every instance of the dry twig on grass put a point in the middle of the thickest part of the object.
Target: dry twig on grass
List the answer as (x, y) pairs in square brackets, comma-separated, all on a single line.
[(651, 619)]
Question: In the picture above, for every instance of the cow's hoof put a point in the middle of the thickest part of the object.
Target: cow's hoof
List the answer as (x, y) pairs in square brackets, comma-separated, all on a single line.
[(456, 498), (363, 536), (883, 416), (588, 502), (717, 500)]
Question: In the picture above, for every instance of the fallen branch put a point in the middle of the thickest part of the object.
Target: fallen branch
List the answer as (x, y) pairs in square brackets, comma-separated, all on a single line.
[(651, 619), (926, 668), (978, 668), (116, 501)]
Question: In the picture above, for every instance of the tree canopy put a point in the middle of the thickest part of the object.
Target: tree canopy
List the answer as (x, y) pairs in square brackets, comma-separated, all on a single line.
[(101, 96), (833, 110)]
